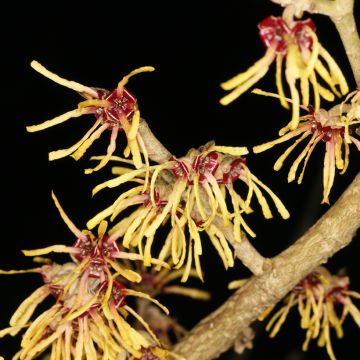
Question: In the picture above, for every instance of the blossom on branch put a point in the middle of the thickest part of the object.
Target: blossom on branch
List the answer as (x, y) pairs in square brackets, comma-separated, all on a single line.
[(333, 128), (115, 110), (318, 297), (297, 45), (194, 193), (90, 317)]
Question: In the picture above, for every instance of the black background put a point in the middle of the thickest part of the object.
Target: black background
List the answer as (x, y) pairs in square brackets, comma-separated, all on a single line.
[(193, 46)]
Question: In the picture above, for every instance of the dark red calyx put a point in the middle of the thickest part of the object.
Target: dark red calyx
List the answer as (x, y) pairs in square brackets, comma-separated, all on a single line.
[(328, 132), (236, 167), (117, 296), (180, 169), (206, 165), (120, 106), (158, 202), (147, 354), (309, 281), (95, 249), (272, 33), (337, 294), (83, 247), (301, 33)]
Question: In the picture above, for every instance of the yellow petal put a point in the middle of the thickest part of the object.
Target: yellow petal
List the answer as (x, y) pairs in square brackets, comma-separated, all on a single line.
[(178, 188), (278, 203), (67, 220), (220, 198), (93, 102), (296, 163), (186, 291), (55, 121), (329, 171), (227, 99), (110, 150), (82, 309), (126, 273), (139, 70), (278, 78), (216, 243), (134, 125), (28, 306), (61, 81), (294, 122), (231, 150), (187, 269), (336, 72), (261, 64), (118, 180), (12, 330), (280, 161), (130, 292), (236, 284), (99, 217), (80, 151), (58, 154), (46, 250), (143, 323), (313, 145), (11, 272), (43, 344), (129, 234), (147, 251)]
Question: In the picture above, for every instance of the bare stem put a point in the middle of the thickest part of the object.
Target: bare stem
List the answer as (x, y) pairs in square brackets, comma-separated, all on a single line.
[(333, 231), (157, 152), (347, 30), (341, 12)]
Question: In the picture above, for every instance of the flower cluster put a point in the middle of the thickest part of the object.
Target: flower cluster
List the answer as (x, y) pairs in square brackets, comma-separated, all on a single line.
[(91, 314), (319, 299), (335, 128), (297, 45), (114, 110), (196, 191)]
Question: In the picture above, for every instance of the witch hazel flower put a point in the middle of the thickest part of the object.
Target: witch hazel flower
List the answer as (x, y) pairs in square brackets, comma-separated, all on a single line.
[(295, 48), (333, 128), (324, 301), (115, 110), (194, 193), (90, 317)]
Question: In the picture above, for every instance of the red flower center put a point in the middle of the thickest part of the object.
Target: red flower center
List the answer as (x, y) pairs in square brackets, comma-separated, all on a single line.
[(121, 106), (274, 32)]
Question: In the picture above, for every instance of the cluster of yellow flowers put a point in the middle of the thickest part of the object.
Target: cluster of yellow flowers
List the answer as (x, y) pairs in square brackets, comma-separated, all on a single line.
[(194, 193), (91, 313), (297, 45), (330, 127), (92, 316), (318, 297), (197, 191), (115, 110)]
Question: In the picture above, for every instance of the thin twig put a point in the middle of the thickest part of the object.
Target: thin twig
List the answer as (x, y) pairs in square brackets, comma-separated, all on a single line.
[(157, 152)]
